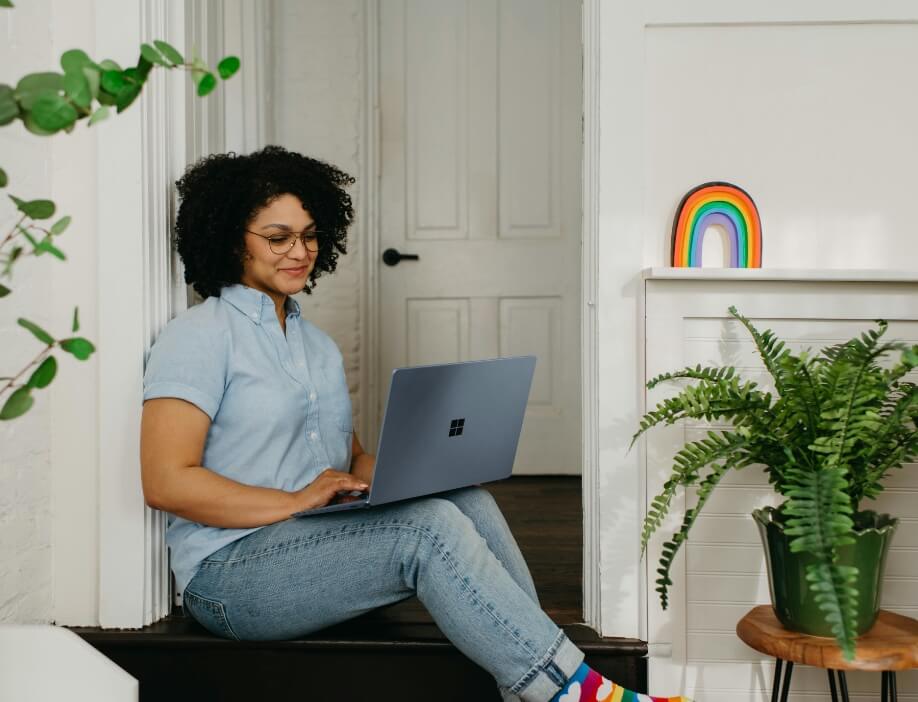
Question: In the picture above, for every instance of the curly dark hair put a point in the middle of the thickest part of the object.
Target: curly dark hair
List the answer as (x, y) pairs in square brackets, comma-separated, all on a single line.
[(220, 194)]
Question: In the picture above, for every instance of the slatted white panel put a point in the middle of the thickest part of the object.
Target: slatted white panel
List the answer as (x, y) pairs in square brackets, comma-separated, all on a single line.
[(721, 572), (530, 118)]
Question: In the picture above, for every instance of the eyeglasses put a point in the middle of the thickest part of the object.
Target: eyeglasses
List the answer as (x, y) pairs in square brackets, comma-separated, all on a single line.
[(281, 243)]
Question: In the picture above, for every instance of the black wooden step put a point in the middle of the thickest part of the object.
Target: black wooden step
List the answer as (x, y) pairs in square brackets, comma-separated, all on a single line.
[(394, 653), (364, 659)]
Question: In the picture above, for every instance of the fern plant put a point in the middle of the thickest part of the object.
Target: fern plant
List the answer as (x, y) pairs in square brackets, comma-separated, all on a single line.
[(835, 427)]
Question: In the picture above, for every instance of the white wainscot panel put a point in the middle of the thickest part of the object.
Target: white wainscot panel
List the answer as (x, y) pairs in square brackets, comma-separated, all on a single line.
[(721, 573), (532, 326), (437, 133), (438, 331), (530, 118)]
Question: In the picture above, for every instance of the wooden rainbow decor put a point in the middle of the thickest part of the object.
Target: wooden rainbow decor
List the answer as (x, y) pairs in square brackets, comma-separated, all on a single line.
[(723, 204)]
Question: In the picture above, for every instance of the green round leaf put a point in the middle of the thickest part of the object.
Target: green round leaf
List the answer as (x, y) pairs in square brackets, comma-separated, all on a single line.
[(44, 374), (169, 52), (153, 56), (74, 60), (4, 291), (81, 348), (33, 86), (36, 209), (18, 403), (52, 112), (109, 65), (207, 84), (4, 181), (98, 115), (77, 88), (126, 97), (29, 123), (39, 333), (113, 82), (94, 78), (6, 3), (228, 66), (9, 108), (60, 225)]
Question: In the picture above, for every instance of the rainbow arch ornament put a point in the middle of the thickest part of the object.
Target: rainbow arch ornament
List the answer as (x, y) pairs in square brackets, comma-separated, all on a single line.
[(723, 204)]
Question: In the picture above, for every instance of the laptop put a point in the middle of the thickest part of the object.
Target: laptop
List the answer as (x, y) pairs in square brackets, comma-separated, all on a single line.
[(446, 426)]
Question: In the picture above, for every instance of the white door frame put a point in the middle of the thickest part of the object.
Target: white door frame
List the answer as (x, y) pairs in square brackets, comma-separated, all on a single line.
[(369, 234), (138, 157), (144, 150)]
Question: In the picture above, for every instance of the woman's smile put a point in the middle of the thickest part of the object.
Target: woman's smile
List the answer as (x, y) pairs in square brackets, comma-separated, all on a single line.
[(296, 272)]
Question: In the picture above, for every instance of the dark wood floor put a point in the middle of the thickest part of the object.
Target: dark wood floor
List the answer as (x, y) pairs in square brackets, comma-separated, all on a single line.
[(545, 515)]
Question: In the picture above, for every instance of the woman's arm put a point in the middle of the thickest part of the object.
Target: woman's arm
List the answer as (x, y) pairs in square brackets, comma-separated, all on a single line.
[(362, 463), (172, 437)]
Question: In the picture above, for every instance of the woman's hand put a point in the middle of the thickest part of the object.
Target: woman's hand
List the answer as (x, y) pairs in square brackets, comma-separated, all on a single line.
[(325, 488)]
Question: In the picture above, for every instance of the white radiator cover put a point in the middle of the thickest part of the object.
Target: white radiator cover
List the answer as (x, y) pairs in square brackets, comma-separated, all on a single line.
[(720, 573)]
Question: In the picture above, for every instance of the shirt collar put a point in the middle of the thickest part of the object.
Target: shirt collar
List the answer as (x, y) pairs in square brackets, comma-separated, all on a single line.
[(255, 304)]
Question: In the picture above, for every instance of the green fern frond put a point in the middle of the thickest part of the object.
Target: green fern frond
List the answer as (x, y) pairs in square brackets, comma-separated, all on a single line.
[(819, 518), (671, 548), (836, 595), (770, 348), (688, 463), (713, 375), (727, 399)]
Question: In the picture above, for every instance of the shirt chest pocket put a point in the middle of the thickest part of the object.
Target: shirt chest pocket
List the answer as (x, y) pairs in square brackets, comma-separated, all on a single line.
[(334, 398)]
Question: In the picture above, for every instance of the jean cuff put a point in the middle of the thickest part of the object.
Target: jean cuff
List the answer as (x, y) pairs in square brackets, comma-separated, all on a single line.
[(551, 673)]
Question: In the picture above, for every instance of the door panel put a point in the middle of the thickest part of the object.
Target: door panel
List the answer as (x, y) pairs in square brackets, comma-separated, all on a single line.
[(480, 177)]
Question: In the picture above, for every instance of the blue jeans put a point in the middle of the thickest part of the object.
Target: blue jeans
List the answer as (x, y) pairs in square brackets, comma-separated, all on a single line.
[(454, 551)]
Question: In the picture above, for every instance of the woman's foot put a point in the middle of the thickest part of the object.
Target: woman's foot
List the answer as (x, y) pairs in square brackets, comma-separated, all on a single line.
[(586, 685)]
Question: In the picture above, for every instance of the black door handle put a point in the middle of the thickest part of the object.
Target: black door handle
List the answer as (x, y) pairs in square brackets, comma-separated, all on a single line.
[(391, 257)]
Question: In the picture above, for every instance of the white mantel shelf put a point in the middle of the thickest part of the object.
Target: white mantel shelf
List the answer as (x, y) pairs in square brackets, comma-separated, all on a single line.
[(859, 275)]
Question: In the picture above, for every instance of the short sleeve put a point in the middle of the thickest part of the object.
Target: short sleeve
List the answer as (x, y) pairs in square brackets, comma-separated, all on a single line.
[(188, 362)]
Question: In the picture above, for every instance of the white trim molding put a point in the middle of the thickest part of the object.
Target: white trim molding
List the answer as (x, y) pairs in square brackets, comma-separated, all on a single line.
[(135, 168), (589, 277), (368, 232)]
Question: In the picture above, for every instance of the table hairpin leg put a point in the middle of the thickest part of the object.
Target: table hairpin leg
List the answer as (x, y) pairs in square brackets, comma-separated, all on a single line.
[(784, 685), (842, 684), (888, 693), (832, 689)]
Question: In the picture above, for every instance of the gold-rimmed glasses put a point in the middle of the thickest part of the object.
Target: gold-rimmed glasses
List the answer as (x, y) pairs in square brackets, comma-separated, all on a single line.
[(282, 242)]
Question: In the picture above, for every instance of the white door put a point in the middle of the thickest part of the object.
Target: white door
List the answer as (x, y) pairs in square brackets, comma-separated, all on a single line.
[(480, 178)]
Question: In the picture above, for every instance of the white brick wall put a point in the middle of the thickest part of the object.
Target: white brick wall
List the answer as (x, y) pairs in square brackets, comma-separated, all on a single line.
[(25, 469), (318, 55)]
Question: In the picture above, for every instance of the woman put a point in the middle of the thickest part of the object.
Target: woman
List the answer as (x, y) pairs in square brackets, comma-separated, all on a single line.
[(247, 419)]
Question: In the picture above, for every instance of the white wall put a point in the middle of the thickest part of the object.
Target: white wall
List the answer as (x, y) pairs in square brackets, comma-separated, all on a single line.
[(47, 457), (808, 107), (319, 64)]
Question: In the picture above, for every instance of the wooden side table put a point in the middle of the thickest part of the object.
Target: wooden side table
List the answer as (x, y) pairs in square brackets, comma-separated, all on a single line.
[(891, 645)]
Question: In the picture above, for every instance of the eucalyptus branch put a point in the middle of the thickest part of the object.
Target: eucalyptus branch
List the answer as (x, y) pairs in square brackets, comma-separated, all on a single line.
[(14, 232), (12, 381)]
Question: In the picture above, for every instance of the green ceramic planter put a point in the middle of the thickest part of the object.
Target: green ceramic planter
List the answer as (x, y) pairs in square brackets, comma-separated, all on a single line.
[(793, 601)]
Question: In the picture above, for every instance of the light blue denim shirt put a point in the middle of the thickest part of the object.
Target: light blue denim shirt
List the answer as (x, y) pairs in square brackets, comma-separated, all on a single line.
[(279, 404)]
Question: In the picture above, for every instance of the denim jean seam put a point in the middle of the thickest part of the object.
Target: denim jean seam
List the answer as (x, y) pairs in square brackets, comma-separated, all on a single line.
[(426, 532), (539, 666), (218, 607)]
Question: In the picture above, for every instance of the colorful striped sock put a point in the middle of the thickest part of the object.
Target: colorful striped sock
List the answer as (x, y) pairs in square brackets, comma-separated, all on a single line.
[(586, 685)]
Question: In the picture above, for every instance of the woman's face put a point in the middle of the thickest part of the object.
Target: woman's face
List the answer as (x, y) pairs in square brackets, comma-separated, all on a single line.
[(278, 274)]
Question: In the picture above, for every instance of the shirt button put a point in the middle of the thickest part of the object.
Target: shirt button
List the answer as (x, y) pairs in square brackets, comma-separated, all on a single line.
[(254, 315), (300, 365), (313, 436), (312, 396)]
